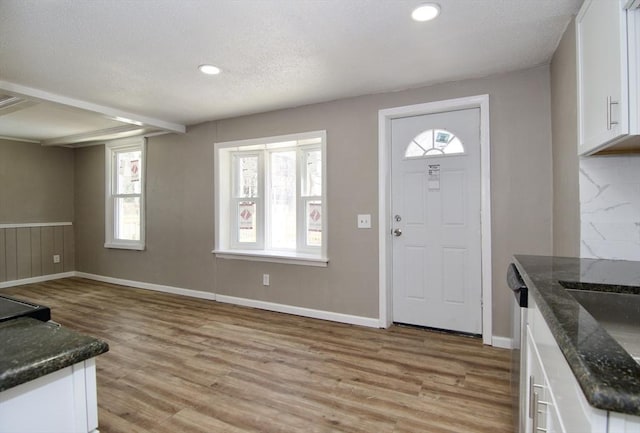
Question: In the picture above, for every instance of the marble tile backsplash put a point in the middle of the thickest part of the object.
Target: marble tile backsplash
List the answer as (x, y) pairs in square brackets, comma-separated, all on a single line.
[(610, 207)]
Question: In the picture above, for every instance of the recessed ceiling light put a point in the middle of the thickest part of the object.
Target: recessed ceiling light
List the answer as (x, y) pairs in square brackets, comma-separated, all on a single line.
[(209, 69), (426, 12)]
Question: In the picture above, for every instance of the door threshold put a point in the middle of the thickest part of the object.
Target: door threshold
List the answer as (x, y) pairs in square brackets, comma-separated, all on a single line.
[(439, 330)]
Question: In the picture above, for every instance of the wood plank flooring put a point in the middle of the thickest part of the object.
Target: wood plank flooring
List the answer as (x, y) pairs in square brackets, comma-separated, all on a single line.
[(179, 364)]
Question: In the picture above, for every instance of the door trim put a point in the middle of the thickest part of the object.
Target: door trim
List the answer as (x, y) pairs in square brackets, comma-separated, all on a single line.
[(384, 200)]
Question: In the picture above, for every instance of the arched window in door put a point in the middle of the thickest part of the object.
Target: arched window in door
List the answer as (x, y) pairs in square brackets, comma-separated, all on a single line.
[(434, 142)]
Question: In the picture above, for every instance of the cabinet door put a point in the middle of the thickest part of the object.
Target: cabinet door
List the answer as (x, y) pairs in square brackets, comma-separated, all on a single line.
[(621, 423), (567, 409), (62, 401), (603, 91), (537, 408)]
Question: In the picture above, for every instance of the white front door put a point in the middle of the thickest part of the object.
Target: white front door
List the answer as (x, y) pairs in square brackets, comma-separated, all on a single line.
[(435, 203)]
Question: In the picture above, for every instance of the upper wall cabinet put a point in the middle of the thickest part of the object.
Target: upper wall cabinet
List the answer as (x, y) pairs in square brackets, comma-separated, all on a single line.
[(607, 51)]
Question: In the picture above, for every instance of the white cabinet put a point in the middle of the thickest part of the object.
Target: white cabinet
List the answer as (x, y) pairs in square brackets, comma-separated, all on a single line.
[(62, 401), (554, 399), (607, 56), (541, 407), (620, 423), (567, 409)]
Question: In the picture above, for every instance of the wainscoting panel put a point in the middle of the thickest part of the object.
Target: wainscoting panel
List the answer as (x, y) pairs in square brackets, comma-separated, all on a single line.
[(27, 250), (69, 250), (11, 252), (23, 243), (46, 250), (36, 252)]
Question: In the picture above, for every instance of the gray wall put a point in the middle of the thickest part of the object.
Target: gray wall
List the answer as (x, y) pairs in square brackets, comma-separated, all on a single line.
[(179, 225), (36, 183), (36, 186), (180, 198), (564, 121)]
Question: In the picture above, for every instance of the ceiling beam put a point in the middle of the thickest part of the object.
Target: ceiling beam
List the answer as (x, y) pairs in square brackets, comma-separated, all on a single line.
[(42, 95), (111, 133), (11, 104), (24, 140)]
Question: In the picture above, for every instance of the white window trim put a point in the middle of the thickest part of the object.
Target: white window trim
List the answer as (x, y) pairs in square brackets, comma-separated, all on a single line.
[(293, 258), (224, 244), (110, 149)]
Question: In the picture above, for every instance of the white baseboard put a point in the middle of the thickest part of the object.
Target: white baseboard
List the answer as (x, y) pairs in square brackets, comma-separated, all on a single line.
[(39, 279), (149, 286), (270, 306), (301, 311), (496, 341), (502, 342)]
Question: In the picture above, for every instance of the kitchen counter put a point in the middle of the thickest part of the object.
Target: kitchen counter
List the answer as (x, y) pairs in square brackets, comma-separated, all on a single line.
[(31, 348), (606, 372)]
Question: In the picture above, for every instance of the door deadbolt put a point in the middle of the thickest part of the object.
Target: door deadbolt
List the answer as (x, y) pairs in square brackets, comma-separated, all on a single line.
[(398, 218)]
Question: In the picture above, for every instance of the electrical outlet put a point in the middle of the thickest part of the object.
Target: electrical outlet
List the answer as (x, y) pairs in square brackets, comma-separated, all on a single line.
[(56, 258), (265, 279), (364, 221)]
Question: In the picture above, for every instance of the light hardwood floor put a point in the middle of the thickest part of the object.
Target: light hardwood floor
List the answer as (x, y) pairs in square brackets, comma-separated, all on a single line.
[(179, 364)]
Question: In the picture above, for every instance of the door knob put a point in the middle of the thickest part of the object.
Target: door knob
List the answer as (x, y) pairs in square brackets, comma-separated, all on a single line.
[(397, 232)]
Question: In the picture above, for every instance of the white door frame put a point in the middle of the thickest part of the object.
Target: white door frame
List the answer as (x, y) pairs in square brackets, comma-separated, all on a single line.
[(384, 200)]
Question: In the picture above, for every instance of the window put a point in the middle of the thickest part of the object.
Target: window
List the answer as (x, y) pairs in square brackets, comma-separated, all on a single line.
[(270, 199), (125, 186), (434, 142)]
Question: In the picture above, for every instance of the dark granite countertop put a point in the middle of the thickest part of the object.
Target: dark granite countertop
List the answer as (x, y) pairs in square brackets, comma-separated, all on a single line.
[(606, 372), (30, 348)]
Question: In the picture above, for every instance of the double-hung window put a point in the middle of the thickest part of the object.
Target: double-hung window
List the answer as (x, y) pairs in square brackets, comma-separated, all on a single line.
[(125, 189), (270, 199)]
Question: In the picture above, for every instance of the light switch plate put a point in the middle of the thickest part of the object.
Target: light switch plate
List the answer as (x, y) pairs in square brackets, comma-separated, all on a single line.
[(364, 221)]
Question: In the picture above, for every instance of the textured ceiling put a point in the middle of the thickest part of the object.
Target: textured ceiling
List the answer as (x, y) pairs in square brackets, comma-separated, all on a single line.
[(140, 56)]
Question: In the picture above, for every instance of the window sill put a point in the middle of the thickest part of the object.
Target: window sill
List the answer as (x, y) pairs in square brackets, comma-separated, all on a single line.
[(273, 257), (114, 245)]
